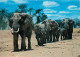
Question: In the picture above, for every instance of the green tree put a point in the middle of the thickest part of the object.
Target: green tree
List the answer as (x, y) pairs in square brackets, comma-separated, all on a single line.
[(3, 18), (30, 10), (22, 8), (38, 11), (43, 17), (40, 15)]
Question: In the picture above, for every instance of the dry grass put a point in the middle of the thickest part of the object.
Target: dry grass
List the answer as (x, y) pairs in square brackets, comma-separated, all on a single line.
[(75, 30)]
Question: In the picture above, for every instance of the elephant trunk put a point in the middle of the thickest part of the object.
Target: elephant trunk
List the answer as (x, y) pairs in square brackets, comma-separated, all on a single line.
[(15, 41)]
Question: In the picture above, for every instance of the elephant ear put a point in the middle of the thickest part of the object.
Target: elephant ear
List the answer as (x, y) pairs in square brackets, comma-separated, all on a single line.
[(25, 18)]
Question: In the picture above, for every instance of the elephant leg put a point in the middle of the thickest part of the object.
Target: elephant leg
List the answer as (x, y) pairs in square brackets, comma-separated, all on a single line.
[(57, 37), (50, 37), (53, 38), (47, 38), (23, 44), (15, 42), (38, 40), (70, 36), (44, 40), (64, 37), (41, 41), (29, 42), (61, 37)]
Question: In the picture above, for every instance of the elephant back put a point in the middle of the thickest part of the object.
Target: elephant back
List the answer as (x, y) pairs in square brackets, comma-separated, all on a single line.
[(50, 24), (39, 28), (54, 25)]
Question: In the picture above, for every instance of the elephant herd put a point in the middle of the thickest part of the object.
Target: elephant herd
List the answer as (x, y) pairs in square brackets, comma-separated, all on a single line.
[(46, 32), (49, 31)]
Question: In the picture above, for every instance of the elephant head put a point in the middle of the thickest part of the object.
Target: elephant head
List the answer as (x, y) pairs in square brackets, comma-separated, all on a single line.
[(47, 24), (70, 22), (65, 24), (18, 20)]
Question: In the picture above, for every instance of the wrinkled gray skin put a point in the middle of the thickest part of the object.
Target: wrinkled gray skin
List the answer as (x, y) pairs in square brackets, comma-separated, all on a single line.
[(40, 32), (21, 24), (52, 28), (64, 30)]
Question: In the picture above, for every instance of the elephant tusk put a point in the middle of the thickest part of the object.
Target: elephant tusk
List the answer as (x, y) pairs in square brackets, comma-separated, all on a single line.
[(18, 30), (14, 31)]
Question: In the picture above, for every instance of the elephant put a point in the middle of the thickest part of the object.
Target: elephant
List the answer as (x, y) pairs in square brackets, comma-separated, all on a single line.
[(64, 30), (55, 30), (70, 23), (49, 31), (52, 27), (40, 32), (21, 24), (70, 30)]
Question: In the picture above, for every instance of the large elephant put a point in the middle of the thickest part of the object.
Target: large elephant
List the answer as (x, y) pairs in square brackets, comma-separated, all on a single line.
[(70, 29), (40, 32), (52, 27), (21, 24)]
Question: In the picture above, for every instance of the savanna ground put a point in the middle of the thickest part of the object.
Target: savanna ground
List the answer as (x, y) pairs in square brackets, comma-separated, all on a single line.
[(66, 48)]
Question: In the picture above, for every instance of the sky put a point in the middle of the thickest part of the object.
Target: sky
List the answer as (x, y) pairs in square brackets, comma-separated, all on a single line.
[(54, 9)]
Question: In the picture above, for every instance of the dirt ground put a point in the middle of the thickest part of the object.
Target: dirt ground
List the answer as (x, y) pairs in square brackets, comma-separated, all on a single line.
[(66, 48)]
